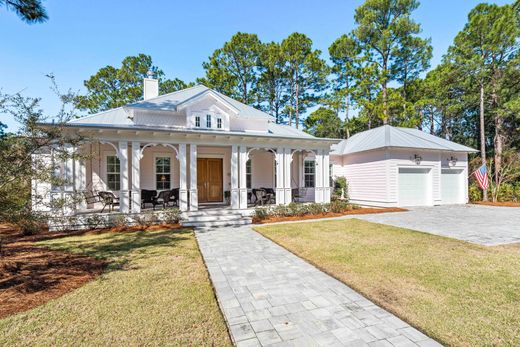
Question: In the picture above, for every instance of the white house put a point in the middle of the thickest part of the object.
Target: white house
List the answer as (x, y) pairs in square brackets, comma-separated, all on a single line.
[(212, 149), (390, 166)]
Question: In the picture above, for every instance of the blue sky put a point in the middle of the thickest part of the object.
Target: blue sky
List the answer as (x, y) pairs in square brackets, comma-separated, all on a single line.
[(82, 36)]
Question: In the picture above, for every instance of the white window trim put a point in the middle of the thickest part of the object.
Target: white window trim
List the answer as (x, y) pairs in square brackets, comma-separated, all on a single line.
[(210, 118), (195, 121), (162, 155), (304, 174), (107, 154)]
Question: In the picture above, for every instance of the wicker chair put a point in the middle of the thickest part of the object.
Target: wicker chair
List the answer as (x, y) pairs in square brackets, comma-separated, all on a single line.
[(108, 199)]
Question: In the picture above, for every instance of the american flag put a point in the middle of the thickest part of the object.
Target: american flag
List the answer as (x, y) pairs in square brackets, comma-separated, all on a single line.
[(481, 175)]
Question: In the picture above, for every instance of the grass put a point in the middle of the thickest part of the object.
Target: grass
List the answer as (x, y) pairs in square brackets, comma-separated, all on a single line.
[(458, 293), (156, 291)]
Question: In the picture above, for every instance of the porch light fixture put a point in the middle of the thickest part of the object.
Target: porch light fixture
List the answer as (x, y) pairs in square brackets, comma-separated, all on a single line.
[(417, 159), (452, 161)]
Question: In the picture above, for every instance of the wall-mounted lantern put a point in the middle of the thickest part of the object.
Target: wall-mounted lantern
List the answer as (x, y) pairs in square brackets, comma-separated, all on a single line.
[(452, 161)]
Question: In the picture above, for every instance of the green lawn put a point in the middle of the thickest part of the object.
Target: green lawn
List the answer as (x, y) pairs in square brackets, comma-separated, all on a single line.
[(155, 292), (458, 293)]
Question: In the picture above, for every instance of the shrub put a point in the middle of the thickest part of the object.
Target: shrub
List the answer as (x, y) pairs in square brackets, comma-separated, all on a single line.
[(171, 215), (340, 206), (119, 221), (341, 185), (261, 213), (146, 218), (95, 221)]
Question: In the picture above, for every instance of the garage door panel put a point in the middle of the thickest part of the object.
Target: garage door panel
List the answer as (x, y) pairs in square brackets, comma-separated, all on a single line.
[(413, 186), (451, 186)]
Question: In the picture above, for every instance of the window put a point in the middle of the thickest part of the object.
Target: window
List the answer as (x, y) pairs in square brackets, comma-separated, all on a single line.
[(249, 174), (219, 123), (162, 173), (309, 167), (197, 121), (208, 121), (113, 173)]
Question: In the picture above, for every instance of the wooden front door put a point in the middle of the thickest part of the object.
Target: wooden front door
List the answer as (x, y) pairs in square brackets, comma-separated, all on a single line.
[(209, 179)]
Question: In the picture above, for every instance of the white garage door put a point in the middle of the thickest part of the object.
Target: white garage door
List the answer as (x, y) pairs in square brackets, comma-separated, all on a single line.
[(451, 186), (414, 189)]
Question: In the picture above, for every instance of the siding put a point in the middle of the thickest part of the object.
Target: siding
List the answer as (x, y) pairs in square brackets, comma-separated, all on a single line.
[(366, 175), (262, 168)]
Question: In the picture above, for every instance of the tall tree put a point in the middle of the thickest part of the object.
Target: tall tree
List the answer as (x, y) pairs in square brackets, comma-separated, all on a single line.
[(344, 53), (485, 49), (388, 37), (272, 81), (307, 74), (324, 122), (112, 87), (232, 69), (30, 11)]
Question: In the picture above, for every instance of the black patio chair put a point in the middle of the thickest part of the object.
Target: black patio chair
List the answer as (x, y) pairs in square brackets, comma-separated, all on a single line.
[(261, 197), (162, 199), (174, 196), (298, 194), (270, 194), (90, 197), (147, 197), (108, 199)]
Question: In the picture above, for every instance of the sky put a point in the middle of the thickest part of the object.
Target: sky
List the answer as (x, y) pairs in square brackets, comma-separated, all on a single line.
[(81, 36)]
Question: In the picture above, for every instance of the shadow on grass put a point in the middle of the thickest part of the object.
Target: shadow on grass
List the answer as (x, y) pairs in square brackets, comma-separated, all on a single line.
[(118, 249)]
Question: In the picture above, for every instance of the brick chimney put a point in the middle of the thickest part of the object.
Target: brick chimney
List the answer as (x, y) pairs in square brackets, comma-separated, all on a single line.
[(150, 87)]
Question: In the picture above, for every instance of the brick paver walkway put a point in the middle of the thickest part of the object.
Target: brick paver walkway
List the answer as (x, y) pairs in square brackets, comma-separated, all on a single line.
[(271, 297)]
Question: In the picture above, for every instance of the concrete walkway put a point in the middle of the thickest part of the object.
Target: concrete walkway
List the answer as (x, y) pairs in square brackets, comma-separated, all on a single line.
[(271, 297)]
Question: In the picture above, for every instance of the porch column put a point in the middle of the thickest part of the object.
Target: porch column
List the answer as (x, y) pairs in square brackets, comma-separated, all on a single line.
[(243, 180), (235, 198), (287, 175), (124, 195), (279, 176), (194, 203), (326, 176), (68, 187), (136, 177), (80, 180), (183, 192), (318, 172)]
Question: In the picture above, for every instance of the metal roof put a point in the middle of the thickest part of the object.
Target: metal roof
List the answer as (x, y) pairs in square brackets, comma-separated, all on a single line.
[(388, 136)]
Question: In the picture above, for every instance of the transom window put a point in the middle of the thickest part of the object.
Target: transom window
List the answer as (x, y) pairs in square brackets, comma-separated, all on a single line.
[(162, 173), (309, 169), (113, 173), (197, 121), (208, 121), (249, 174), (219, 123)]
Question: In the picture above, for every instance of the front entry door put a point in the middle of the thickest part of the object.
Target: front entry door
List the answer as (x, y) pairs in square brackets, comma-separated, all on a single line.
[(209, 179)]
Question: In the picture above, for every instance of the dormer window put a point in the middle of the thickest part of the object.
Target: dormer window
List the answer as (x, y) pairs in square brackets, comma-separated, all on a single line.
[(208, 121), (197, 121), (219, 123)]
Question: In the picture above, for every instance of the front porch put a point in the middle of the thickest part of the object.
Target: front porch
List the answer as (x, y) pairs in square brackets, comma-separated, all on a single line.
[(191, 176)]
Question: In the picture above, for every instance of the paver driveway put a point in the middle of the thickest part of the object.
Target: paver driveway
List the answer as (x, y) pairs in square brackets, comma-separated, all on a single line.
[(485, 225), (271, 297)]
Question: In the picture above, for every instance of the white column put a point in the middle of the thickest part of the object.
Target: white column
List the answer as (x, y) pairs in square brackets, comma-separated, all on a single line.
[(183, 192), (242, 177), (287, 175), (279, 176), (124, 194), (235, 196), (326, 177), (194, 203), (80, 180), (136, 177), (318, 172), (41, 190)]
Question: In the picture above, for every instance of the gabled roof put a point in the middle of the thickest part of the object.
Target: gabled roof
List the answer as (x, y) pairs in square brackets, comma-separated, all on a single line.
[(387, 136)]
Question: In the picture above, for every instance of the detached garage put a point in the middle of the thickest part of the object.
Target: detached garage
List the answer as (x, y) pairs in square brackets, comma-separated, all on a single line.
[(398, 167)]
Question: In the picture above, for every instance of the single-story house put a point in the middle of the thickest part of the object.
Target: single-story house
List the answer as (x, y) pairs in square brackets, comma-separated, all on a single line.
[(394, 167), (205, 148)]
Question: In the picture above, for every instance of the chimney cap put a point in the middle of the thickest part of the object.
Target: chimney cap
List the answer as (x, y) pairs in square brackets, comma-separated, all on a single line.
[(149, 74)]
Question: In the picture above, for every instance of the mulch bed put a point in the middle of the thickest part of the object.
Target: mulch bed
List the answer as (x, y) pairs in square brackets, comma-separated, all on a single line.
[(498, 203), (30, 275), (328, 215)]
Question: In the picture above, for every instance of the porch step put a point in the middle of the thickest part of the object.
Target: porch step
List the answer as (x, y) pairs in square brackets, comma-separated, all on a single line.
[(216, 217)]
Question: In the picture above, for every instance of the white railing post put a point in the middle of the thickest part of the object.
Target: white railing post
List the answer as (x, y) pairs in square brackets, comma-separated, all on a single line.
[(124, 194), (136, 177), (183, 192), (235, 196), (194, 205), (280, 195), (243, 177), (287, 175)]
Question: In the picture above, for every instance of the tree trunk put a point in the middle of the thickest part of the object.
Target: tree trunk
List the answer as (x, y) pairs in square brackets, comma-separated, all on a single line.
[(482, 134), (297, 111), (499, 139), (385, 104), (347, 106)]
